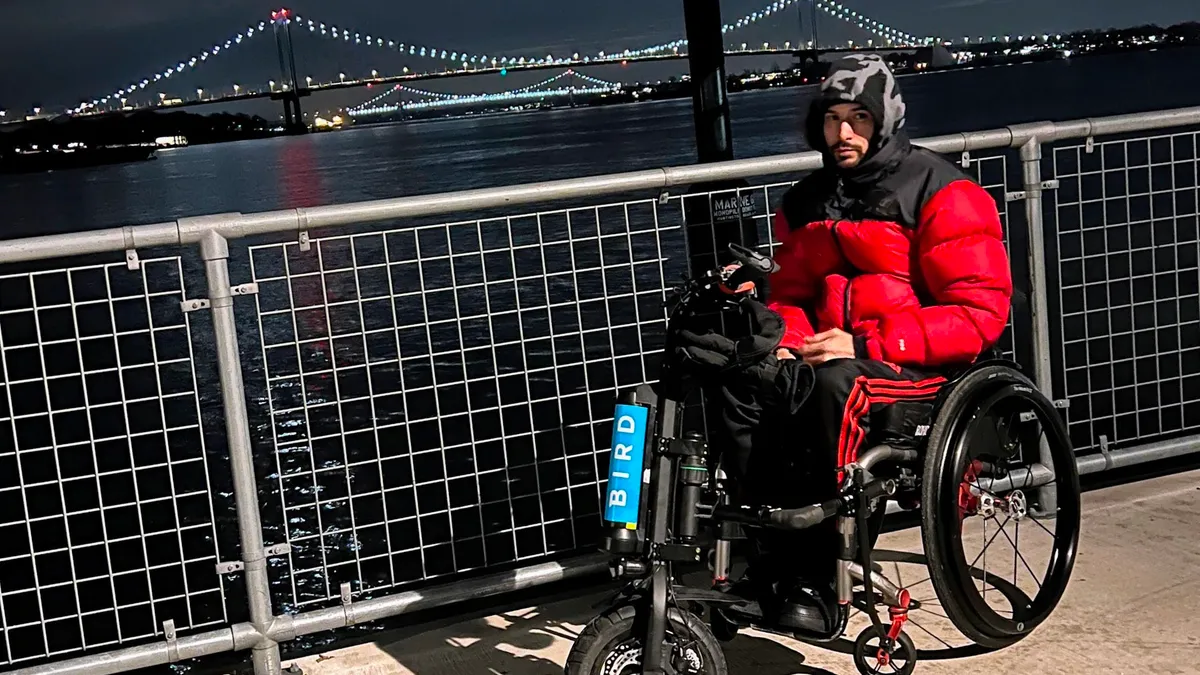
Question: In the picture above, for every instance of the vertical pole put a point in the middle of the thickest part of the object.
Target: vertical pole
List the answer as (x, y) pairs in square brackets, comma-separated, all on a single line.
[(1031, 164), (717, 213), (706, 61), (214, 250)]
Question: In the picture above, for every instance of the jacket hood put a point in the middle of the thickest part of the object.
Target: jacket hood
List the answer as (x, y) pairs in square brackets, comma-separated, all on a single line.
[(864, 79)]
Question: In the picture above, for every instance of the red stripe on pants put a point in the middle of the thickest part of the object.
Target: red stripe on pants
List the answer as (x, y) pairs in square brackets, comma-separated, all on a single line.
[(871, 391)]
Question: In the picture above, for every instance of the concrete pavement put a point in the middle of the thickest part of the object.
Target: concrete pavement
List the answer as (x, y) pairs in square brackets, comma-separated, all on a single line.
[(1131, 609)]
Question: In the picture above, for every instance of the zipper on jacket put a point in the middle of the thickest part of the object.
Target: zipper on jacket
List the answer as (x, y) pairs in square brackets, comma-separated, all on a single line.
[(837, 241), (846, 308)]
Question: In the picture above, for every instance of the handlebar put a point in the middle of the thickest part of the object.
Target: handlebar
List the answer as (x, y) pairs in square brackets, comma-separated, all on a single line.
[(725, 284), (753, 266), (803, 517)]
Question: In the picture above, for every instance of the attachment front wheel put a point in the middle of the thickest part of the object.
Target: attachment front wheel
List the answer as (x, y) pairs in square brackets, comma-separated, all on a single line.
[(612, 644), (872, 658)]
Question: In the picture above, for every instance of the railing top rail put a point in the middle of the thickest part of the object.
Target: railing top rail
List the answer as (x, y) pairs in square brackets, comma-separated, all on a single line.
[(237, 225)]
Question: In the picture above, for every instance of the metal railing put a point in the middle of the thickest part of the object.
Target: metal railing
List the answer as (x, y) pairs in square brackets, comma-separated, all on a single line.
[(330, 424)]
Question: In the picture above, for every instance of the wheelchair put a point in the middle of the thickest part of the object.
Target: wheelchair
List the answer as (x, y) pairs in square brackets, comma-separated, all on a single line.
[(995, 449)]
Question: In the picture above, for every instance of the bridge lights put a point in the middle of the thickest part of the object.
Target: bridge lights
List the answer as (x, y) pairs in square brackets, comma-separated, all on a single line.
[(236, 88), (271, 84), (308, 80), (199, 93), (374, 73), (342, 77)]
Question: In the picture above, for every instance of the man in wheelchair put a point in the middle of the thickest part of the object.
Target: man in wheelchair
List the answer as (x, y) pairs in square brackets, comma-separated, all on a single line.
[(893, 273)]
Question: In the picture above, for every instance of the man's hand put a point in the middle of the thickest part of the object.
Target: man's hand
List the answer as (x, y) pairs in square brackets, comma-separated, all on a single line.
[(727, 272), (783, 354), (822, 347)]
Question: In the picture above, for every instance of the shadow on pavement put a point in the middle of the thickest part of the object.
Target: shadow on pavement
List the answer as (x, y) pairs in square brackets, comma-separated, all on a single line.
[(536, 641)]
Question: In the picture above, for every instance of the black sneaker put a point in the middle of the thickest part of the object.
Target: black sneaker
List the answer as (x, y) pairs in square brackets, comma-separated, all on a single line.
[(807, 607)]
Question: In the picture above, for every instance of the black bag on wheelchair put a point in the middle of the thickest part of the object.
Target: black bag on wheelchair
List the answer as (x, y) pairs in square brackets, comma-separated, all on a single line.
[(706, 352)]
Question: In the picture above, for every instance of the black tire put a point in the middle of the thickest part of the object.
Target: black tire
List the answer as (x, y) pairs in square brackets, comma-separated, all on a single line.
[(867, 646), (617, 635), (946, 458), (723, 629)]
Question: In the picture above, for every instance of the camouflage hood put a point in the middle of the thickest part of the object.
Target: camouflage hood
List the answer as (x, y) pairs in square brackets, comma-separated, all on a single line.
[(864, 79)]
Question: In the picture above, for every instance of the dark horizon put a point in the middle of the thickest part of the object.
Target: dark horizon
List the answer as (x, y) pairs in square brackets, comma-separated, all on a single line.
[(112, 45)]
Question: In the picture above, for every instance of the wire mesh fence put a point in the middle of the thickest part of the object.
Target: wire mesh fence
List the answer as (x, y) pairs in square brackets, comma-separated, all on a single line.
[(1129, 293), (433, 400), (105, 512), (437, 393), (440, 396)]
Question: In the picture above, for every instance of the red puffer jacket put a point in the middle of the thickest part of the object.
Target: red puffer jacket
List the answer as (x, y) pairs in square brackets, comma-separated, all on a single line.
[(933, 293)]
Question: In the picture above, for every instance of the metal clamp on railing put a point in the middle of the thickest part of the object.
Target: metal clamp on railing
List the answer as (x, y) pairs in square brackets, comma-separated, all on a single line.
[(171, 637), (347, 603), (302, 226), (1020, 195), (1105, 452), (238, 565), (202, 303)]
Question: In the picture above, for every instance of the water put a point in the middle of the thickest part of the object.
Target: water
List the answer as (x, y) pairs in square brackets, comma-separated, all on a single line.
[(407, 159), (476, 448)]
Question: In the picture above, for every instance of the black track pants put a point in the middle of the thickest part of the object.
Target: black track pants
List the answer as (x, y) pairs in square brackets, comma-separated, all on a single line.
[(788, 457)]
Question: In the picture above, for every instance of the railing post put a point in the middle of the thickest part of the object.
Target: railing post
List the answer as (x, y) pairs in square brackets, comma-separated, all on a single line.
[(214, 250), (1031, 163)]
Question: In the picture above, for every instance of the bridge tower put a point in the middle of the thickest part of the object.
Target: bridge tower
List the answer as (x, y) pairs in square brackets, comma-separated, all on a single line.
[(809, 58), (812, 23), (291, 92)]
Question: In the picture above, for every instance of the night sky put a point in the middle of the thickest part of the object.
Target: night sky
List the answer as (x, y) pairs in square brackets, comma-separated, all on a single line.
[(57, 52)]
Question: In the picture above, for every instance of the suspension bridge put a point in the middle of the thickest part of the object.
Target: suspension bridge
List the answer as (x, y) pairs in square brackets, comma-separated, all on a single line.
[(538, 91), (161, 89)]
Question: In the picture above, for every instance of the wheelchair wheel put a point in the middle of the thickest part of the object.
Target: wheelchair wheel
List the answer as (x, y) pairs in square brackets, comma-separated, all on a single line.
[(612, 645), (984, 470)]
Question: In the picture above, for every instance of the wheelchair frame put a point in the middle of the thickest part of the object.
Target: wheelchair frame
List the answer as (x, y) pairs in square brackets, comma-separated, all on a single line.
[(654, 505)]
